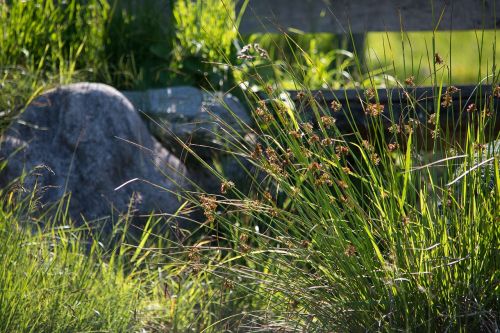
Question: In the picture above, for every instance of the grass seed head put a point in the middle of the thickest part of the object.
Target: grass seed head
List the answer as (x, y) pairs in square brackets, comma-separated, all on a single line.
[(296, 134), (375, 158), (394, 129), (307, 127), (257, 152), (327, 142), (314, 138), (452, 89), (471, 108), (370, 93), (336, 106), (374, 109), (496, 91), (328, 121), (226, 186), (410, 81), (437, 59), (342, 150), (350, 250), (393, 146), (432, 119), (446, 100)]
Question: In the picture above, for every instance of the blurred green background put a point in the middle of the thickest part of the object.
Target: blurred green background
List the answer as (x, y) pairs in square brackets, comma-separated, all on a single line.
[(155, 43), (473, 53)]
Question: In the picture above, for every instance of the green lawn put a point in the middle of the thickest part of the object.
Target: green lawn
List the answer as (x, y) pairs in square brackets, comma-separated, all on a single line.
[(469, 54)]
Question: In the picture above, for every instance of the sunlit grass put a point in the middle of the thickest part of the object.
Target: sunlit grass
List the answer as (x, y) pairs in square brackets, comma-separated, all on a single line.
[(469, 54)]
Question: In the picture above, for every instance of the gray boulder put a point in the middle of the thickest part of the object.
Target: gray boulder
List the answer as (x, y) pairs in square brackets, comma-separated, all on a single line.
[(88, 140)]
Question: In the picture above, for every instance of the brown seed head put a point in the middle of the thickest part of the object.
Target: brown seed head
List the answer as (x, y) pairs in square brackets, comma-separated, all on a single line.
[(257, 153), (350, 250), (226, 185), (405, 220), (437, 59), (260, 111), (307, 127), (394, 128), (314, 138), (296, 134), (346, 170), (472, 108), (370, 93), (496, 91), (328, 121), (301, 95), (368, 146), (342, 150), (375, 158), (432, 119), (336, 106), (209, 205), (413, 122), (327, 142), (374, 109), (314, 166), (393, 146), (228, 284), (446, 100), (342, 184), (409, 81), (268, 196), (452, 89), (324, 179)]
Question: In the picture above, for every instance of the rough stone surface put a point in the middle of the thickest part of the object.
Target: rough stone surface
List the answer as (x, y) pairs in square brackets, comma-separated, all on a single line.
[(90, 140)]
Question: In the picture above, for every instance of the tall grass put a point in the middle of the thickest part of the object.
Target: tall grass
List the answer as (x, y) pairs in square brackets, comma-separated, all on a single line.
[(204, 42), (54, 279), (468, 52), (344, 231), (54, 36)]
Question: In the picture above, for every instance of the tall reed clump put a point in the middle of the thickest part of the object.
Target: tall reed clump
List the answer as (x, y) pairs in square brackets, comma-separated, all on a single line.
[(364, 232)]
